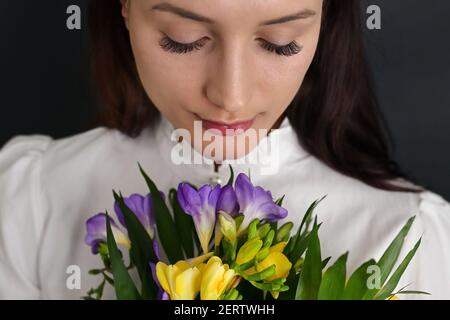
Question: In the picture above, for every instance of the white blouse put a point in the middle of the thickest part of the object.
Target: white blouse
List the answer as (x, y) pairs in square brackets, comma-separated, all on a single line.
[(49, 188)]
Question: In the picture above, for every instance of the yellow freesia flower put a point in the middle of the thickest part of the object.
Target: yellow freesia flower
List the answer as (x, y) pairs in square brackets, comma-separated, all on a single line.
[(279, 247), (180, 281), (194, 262), (281, 262), (216, 278), (277, 258)]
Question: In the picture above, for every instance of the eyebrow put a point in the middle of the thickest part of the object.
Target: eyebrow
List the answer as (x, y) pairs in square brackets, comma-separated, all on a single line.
[(167, 7)]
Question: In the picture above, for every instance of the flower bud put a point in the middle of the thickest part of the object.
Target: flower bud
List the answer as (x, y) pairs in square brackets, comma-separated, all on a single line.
[(284, 232), (218, 235), (239, 219), (299, 264), (227, 226), (233, 294), (269, 239), (252, 229), (279, 247), (265, 274), (263, 230), (248, 251), (262, 254)]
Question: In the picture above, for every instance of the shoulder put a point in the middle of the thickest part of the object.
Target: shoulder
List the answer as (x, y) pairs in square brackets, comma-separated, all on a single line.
[(86, 147), (23, 158), (60, 173), (385, 205), (38, 145), (32, 163), (314, 179)]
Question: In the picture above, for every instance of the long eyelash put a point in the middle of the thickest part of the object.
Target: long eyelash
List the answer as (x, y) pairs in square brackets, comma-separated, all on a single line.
[(182, 48), (287, 50), (176, 47)]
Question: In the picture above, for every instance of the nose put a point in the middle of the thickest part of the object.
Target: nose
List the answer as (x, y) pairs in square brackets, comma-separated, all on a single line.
[(230, 81)]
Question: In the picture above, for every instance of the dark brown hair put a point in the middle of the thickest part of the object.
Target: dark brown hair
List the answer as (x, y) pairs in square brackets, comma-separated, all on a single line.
[(335, 113)]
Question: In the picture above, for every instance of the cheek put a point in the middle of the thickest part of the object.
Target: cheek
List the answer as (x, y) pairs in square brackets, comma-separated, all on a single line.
[(281, 78)]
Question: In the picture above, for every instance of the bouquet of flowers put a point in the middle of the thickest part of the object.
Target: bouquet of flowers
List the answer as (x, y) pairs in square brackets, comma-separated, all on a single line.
[(224, 242)]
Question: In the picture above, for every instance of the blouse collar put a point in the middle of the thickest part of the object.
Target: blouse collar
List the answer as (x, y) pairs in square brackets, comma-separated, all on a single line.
[(273, 153)]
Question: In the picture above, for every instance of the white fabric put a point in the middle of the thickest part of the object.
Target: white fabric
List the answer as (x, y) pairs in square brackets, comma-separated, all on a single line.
[(48, 188)]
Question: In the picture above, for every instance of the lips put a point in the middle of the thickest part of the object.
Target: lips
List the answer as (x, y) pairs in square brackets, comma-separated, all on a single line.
[(228, 128)]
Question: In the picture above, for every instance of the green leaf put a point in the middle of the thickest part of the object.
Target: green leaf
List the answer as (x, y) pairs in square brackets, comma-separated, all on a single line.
[(413, 292), (99, 290), (184, 224), (299, 240), (391, 254), (124, 286), (300, 248), (309, 212), (95, 271), (231, 179), (141, 252), (333, 280), (290, 247), (108, 279), (279, 202), (325, 262), (229, 250), (390, 257), (167, 231), (395, 278), (292, 281), (311, 274), (97, 293), (357, 284)]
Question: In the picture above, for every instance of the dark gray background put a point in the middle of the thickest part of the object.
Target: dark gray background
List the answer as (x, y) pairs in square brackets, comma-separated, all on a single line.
[(45, 84)]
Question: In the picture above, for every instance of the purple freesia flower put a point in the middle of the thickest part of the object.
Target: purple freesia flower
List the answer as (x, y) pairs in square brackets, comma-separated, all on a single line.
[(228, 201), (96, 226), (201, 205), (256, 203), (96, 232), (142, 208)]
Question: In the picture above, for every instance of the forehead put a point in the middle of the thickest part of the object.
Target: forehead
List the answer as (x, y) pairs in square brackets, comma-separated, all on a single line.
[(238, 12)]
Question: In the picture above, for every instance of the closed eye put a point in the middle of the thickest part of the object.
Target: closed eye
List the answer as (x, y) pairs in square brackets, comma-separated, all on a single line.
[(181, 48), (287, 50), (173, 46)]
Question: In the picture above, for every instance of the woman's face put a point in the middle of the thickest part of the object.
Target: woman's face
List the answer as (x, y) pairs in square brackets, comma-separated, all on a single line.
[(223, 61)]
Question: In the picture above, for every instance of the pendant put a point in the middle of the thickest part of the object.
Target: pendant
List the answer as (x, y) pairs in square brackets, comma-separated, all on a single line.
[(215, 180)]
